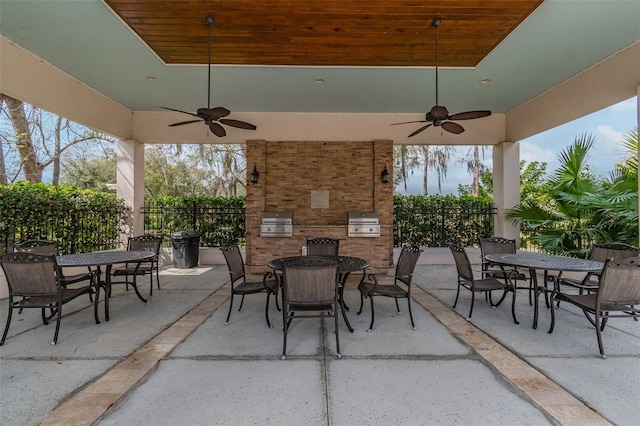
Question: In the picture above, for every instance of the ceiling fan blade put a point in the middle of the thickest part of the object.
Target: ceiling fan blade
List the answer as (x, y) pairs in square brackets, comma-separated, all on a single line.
[(419, 130), (408, 122), (218, 112), (237, 123), (469, 115), (178, 110), (217, 130), (452, 127), (184, 122)]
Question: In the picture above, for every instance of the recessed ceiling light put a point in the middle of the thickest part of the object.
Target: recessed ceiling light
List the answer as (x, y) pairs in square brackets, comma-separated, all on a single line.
[(150, 78), (319, 80), (485, 80)]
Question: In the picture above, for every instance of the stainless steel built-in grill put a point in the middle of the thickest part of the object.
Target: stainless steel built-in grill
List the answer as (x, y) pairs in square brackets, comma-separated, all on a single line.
[(363, 224), (276, 224)]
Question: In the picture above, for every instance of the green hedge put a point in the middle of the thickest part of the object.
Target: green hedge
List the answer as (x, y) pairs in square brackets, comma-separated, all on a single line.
[(217, 219), (427, 221), (79, 220), (432, 221), (82, 220)]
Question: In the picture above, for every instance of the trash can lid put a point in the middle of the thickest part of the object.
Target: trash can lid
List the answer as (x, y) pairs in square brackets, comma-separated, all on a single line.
[(185, 234)]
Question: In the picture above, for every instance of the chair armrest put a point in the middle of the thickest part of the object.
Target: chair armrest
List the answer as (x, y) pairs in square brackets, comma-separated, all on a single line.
[(369, 278), (378, 270), (266, 275), (252, 276)]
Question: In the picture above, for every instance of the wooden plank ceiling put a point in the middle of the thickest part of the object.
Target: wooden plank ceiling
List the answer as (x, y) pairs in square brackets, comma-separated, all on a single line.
[(324, 32)]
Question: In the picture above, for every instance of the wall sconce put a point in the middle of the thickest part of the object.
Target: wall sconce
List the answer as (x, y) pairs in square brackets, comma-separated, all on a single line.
[(385, 175), (254, 175)]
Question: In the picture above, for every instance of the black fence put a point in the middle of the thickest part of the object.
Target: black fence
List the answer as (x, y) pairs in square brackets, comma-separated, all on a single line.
[(431, 225), (436, 223), (78, 231), (215, 223)]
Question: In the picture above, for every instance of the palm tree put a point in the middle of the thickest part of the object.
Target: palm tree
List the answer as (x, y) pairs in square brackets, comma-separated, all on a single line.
[(569, 223), (409, 157), (618, 202)]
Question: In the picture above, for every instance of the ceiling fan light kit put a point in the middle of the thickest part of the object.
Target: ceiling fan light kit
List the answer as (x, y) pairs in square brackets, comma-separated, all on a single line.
[(212, 117), (439, 115)]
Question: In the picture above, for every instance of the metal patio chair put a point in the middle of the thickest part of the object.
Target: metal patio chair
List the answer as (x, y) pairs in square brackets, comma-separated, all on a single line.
[(399, 289), (467, 280), (134, 269), (36, 280), (241, 286), (500, 245), (618, 295), (310, 290), (600, 253), (49, 247), (323, 246)]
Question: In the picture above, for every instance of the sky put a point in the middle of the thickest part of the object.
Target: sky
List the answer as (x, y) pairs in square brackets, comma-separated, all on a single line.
[(608, 126)]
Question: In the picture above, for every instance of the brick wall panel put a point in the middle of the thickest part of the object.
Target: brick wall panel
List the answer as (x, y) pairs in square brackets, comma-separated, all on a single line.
[(290, 171)]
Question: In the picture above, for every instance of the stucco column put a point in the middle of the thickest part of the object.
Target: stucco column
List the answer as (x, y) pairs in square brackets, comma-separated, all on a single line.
[(130, 181), (638, 121), (506, 187)]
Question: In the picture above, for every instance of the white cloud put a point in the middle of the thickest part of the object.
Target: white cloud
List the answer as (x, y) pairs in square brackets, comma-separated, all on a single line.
[(608, 138), (532, 152)]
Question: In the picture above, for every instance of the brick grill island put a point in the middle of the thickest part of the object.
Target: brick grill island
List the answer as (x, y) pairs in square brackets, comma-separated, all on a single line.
[(319, 183)]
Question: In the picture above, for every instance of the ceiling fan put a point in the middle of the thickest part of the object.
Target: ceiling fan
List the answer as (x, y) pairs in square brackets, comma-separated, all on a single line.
[(439, 115), (212, 117)]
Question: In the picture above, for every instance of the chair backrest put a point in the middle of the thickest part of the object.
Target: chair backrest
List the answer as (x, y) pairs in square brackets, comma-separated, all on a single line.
[(620, 282), (37, 246), (145, 242), (233, 257), (407, 261), (617, 251), (323, 246), (497, 245), (30, 274), (463, 265), (310, 281)]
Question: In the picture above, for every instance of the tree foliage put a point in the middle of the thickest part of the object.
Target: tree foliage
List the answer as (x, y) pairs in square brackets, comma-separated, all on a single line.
[(407, 158), (475, 167), (97, 173), (581, 208), (533, 186), (39, 140)]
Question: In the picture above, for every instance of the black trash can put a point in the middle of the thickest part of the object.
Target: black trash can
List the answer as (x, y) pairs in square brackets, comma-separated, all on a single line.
[(186, 249)]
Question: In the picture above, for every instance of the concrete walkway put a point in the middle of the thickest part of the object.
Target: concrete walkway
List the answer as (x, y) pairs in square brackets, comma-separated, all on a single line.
[(173, 362)]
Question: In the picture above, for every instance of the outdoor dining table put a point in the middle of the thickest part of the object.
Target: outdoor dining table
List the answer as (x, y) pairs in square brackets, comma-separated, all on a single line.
[(346, 265), (106, 258), (546, 263)]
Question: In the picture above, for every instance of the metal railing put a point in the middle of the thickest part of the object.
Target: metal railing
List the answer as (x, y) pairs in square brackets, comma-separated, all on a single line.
[(428, 226), (215, 224), (78, 231), (436, 224)]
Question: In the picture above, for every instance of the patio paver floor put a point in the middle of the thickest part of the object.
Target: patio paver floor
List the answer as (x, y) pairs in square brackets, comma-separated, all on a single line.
[(196, 370)]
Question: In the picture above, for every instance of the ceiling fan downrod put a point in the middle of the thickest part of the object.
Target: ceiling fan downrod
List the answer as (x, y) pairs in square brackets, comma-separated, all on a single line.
[(435, 24), (209, 21)]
